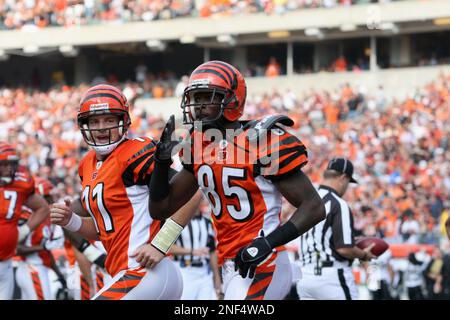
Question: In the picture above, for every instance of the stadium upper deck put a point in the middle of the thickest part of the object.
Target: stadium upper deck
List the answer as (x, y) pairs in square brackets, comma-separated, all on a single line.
[(308, 24), (368, 36), (43, 13)]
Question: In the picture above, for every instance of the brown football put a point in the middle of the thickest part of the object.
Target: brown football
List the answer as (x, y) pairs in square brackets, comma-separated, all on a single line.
[(380, 245)]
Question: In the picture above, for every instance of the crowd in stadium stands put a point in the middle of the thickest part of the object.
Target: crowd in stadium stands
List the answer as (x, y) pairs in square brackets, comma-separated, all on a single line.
[(166, 84), (147, 84), (17, 14), (400, 148)]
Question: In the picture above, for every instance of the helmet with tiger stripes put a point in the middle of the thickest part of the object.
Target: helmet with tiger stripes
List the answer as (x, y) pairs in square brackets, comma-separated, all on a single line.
[(100, 100), (44, 188), (9, 162), (217, 78)]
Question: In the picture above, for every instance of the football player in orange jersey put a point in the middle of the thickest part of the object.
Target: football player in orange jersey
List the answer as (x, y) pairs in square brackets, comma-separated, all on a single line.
[(244, 193), (16, 190), (32, 275), (86, 259), (115, 176)]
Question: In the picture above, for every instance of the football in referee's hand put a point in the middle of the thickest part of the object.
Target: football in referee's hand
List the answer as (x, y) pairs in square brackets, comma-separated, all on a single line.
[(379, 248)]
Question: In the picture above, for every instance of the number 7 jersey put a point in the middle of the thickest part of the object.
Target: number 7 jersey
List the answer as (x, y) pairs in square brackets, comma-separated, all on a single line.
[(116, 195), (237, 176), (12, 198)]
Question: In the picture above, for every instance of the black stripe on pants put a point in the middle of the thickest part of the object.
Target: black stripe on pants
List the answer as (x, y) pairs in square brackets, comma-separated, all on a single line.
[(344, 284)]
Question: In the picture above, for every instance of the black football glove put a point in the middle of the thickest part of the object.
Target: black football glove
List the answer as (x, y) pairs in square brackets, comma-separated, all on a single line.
[(163, 153), (252, 255)]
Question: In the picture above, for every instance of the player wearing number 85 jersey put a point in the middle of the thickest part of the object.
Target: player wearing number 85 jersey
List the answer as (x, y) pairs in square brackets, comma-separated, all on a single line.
[(16, 190), (114, 177), (243, 171)]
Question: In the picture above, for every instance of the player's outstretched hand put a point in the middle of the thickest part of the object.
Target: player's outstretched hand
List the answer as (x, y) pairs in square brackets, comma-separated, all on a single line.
[(252, 256), (147, 256), (163, 153)]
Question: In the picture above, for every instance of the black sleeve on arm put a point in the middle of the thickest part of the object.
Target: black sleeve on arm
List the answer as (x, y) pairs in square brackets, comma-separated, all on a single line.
[(159, 182), (282, 235)]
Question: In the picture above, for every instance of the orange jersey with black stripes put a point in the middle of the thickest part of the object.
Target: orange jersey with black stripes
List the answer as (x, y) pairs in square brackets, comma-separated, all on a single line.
[(115, 192), (237, 176), (12, 197)]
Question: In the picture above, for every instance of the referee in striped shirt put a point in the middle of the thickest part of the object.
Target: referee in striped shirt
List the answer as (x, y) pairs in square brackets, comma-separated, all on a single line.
[(326, 251), (195, 252)]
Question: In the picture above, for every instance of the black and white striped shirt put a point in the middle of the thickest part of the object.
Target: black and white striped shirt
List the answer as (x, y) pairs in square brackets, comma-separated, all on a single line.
[(336, 231), (197, 234)]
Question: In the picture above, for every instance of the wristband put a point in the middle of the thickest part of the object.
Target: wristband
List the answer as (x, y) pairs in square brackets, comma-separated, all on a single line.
[(74, 223), (168, 234), (92, 253)]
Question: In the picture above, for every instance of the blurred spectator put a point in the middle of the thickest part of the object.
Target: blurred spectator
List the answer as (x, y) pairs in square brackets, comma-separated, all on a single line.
[(410, 228), (273, 68), (340, 64), (434, 275), (158, 91), (414, 278), (446, 277), (380, 276), (141, 72)]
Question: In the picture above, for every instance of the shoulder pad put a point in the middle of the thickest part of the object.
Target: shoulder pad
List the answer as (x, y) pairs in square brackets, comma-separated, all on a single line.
[(266, 123), (135, 150)]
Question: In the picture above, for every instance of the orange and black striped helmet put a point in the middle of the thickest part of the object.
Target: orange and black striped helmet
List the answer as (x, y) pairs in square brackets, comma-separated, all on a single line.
[(99, 100), (218, 78), (43, 186), (9, 162)]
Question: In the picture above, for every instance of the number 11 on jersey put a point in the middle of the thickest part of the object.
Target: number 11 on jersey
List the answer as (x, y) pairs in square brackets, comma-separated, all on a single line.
[(97, 197)]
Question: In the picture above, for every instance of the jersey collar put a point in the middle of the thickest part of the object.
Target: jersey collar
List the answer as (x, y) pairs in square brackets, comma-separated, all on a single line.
[(322, 186)]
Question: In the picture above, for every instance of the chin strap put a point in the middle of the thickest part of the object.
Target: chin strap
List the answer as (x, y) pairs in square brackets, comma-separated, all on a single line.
[(107, 149)]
